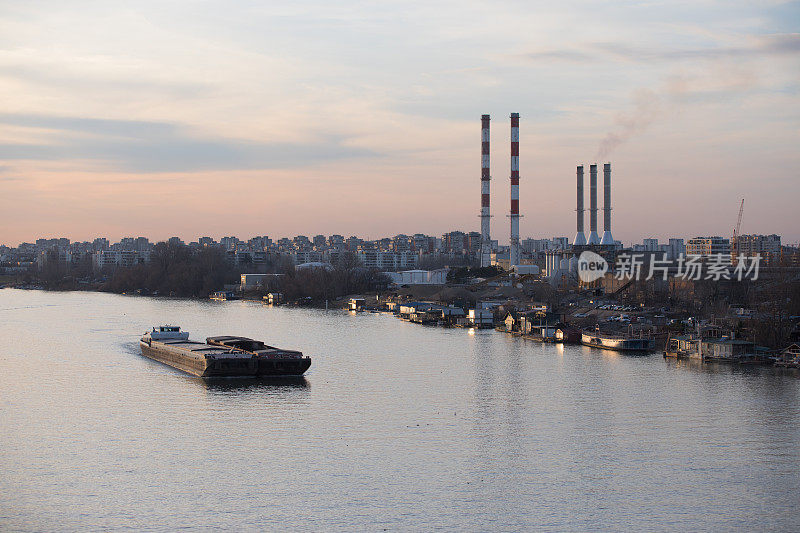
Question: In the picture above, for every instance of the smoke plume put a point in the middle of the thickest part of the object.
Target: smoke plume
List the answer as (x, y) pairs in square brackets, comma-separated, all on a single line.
[(646, 105)]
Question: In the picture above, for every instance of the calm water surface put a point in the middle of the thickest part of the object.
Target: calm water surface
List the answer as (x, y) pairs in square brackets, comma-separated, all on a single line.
[(396, 426)]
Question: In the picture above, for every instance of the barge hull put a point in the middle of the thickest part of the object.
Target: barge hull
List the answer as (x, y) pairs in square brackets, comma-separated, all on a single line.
[(283, 367), (221, 367), (175, 360), (200, 366)]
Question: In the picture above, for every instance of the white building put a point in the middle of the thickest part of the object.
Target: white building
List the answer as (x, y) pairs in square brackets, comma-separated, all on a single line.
[(387, 260), (531, 246), (525, 269), (307, 256), (124, 258), (418, 277)]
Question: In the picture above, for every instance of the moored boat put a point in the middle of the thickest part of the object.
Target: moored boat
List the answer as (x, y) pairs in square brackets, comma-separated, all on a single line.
[(728, 349), (222, 296), (618, 343), (789, 357)]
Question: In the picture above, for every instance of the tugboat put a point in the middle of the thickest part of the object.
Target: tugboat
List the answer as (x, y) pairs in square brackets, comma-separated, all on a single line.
[(230, 357)]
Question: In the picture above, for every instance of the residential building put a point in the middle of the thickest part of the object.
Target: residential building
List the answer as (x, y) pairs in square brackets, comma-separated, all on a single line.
[(767, 246), (229, 243), (123, 258), (709, 246), (675, 248), (320, 242), (454, 241), (336, 241), (206, 242), (387, 260)]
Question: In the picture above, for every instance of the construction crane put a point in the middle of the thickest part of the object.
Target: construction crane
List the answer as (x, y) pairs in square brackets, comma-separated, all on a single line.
[(737, 232)]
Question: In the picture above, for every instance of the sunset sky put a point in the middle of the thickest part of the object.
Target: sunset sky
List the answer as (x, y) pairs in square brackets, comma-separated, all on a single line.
[(247, 118)]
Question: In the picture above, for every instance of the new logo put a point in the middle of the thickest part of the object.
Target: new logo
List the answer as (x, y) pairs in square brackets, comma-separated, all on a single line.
[(591, 267)]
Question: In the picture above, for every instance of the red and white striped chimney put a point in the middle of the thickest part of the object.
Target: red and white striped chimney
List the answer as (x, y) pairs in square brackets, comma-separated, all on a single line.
[(486, 242), (514, 248)]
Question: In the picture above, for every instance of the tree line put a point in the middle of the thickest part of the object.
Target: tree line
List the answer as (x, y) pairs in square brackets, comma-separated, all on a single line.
[(177, 270)]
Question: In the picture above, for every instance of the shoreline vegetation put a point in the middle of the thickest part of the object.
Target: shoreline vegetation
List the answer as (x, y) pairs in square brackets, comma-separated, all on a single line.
[(765, 312), (176, 270)]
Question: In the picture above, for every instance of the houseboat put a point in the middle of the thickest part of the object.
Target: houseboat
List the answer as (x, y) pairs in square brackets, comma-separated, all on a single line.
[(731, 350), (273, 298), (542, 333), (357, 304), (790, 357), (222, 296), (568, 335), (682, 347), (480, 318)]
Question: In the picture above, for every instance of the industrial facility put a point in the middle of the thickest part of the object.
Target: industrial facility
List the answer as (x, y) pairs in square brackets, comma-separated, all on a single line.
[(594, 241), (564, 263), (514, 253), (560, 262), (513, 257), (486, 240)]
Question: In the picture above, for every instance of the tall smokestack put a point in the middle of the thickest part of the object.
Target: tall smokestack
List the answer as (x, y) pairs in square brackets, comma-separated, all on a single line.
[(594, 238), (580, 237), (513, 258), (486, 240), (608, 239)]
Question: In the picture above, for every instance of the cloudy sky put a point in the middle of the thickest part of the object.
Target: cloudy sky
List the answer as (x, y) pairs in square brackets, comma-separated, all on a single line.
[(196, 118)]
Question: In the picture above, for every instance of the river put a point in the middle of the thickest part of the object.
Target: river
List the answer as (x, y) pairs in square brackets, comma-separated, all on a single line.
[(396, 426)]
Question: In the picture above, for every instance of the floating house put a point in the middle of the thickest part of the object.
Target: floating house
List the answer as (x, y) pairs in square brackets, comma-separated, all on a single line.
[(356, 304)]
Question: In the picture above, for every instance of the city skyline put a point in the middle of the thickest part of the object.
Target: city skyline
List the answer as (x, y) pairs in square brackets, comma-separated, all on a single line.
[(468, 243), (161, 121)]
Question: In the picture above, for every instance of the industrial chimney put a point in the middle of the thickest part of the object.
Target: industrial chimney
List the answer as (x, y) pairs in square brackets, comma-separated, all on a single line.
[(580, 237), (594, 238), (608, 239), (486, 242), (513, 258)]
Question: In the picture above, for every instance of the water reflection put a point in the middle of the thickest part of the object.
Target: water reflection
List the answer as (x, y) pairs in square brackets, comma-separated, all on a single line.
[(253, 384), (560, 349), (712, 367)]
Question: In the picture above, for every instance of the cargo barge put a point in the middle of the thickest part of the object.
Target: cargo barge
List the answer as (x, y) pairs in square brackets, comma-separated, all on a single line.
[(224, 356)]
